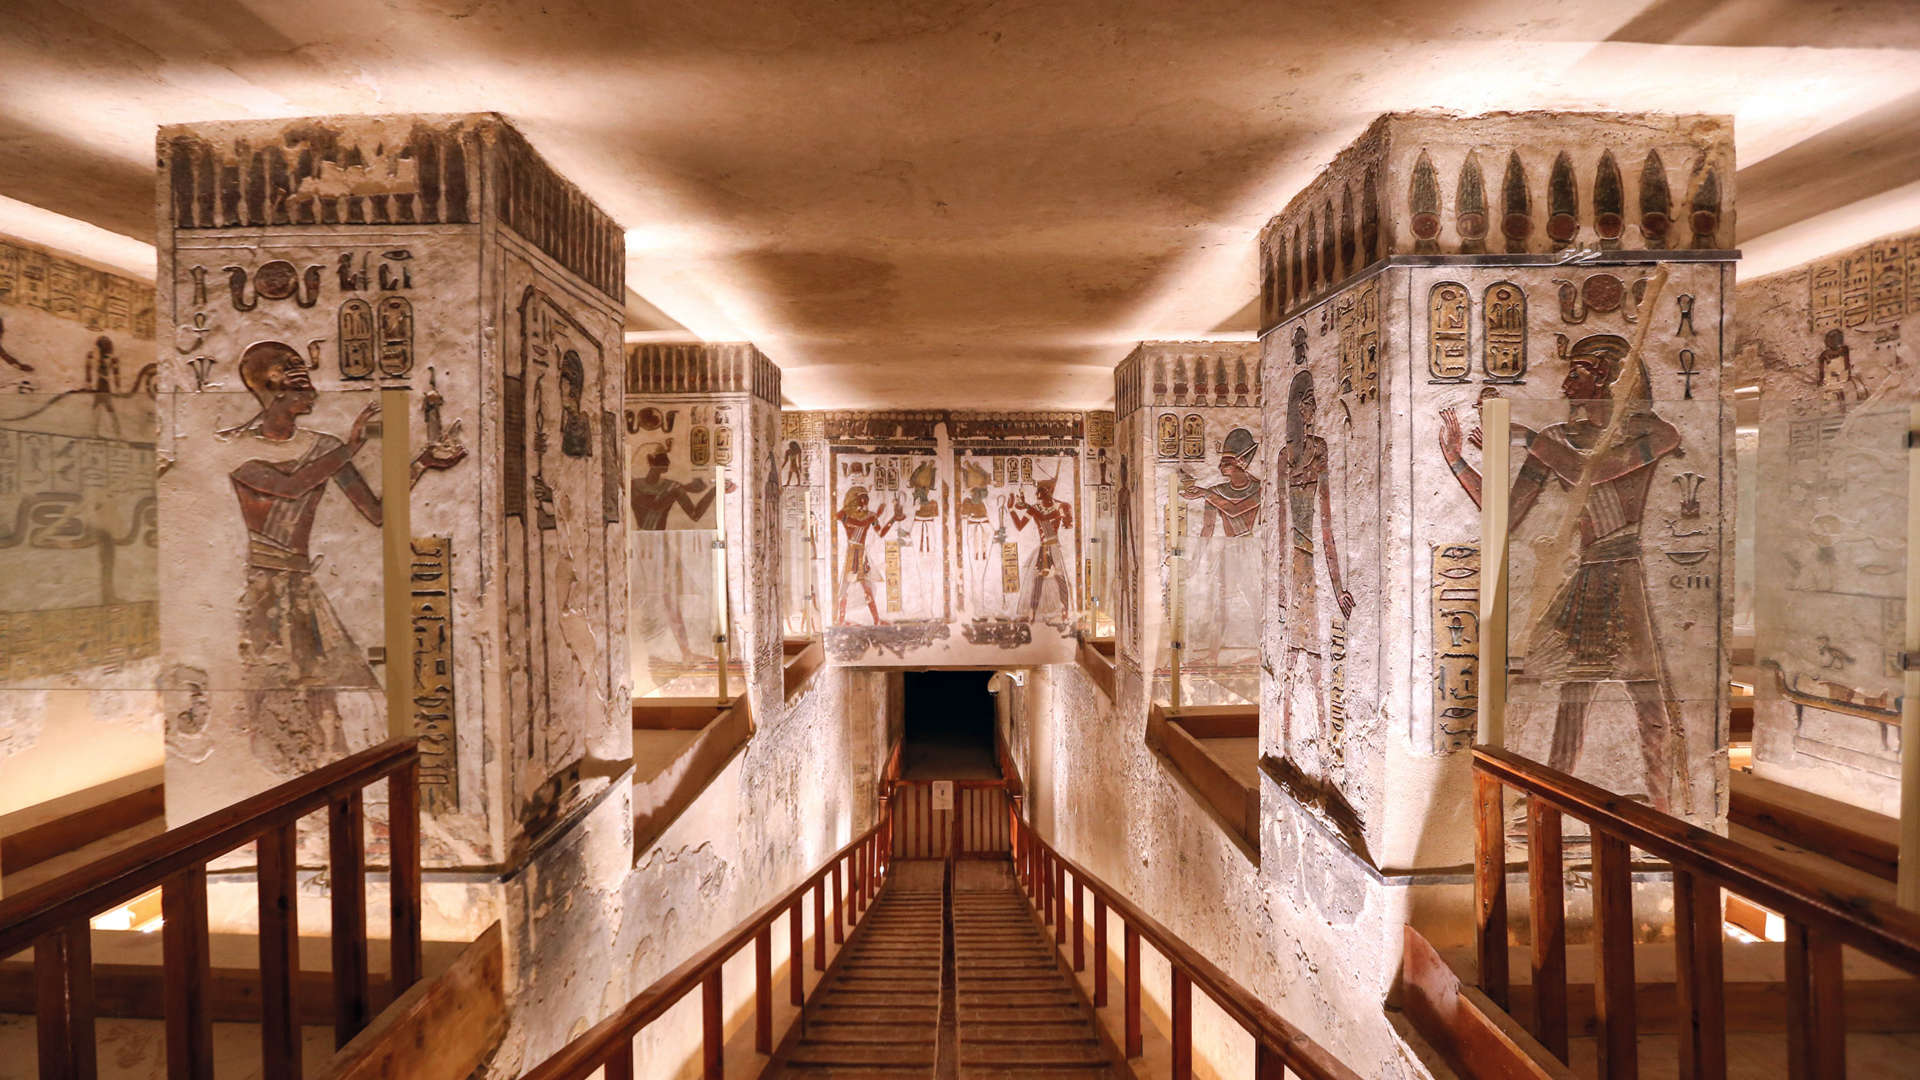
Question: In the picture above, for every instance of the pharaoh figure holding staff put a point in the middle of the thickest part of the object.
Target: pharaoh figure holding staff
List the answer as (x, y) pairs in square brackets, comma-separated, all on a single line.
[(1049, 515), (1598, 625), (858, 520)]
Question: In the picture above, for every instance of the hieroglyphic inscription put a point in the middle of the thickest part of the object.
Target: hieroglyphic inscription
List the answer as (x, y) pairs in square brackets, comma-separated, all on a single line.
[(33, 278), (1358, 314), (1337, 686), (55, 640), (1447, 333), (893, 577), (1456, 645), (431, 584), (1503, 345)]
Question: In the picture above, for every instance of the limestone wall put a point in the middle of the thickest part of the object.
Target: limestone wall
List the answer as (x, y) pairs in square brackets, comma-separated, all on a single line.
[(79, 631), (804, 786), (1823, 343)]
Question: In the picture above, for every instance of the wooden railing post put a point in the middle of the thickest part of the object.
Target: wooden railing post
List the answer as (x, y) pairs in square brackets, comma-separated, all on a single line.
[(1490, 887), (839, 920), (403, 858), (620, 1065), (1816, 1024), (712, 1034), (1267, 1063), (1617, 1047), (1700, 982), (1130, 940), (279, 952), (1182, 1024), (763, 990), (796, 956), (856, 883), (1079, 926), (63, 1003), (187, 972), (1546, 892), (1099, 949), (820, 924), (347, 863), (1049, 866), (1059, 901)]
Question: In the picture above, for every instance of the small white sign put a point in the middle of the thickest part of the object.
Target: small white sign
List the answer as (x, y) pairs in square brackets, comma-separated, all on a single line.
[(943, 794)]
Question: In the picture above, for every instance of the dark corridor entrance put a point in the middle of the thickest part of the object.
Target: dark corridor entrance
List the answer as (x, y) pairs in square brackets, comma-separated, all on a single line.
[(949, 727)]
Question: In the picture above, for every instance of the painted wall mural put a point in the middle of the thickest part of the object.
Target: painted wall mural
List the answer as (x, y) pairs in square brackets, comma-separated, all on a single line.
[(1823, 343), (949, 537), (79, 624), (1619, 572)]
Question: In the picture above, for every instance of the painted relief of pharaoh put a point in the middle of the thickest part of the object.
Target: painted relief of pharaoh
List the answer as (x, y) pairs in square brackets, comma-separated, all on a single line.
[(1048, 516), (1228, 559), (1598, 626), (859, 521), (1303, 462), (296, 652), (666, 557)]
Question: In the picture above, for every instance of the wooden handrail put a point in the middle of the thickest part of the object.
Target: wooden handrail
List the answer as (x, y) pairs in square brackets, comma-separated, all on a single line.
[(108, 882), (1881, 929), (1278, 1043), (1820, 916), (610, 1042), (54, 917)]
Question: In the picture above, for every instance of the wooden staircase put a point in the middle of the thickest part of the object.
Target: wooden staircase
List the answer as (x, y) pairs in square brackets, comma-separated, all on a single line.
[(1020, 1013), (1010, 1008), (878, 1015)]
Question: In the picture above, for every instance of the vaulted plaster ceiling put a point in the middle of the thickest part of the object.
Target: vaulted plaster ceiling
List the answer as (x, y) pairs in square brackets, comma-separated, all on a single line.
[(962, 202)]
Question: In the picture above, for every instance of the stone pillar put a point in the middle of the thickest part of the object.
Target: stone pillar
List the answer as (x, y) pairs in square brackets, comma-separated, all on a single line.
[(304, 265), (702, 437), (1191, 475)]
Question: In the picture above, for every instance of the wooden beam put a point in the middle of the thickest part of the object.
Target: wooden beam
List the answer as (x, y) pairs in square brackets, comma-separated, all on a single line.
[(1468, 1030), (1215, 786), (1618, 1047), (37, 843), (1098, 666), (1887, 1006), (1840, 831), (1490, 886), (1700, 982), (187, 971), (1546, 892), (659, 801), (674, 714), (440, 1029)]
